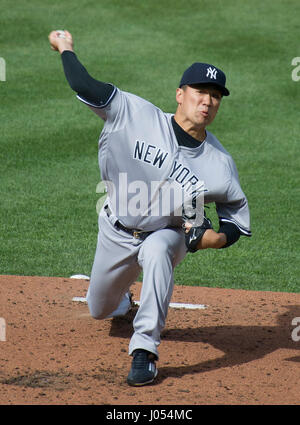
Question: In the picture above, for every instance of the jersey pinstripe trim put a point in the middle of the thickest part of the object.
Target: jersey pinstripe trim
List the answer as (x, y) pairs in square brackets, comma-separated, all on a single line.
[(241, 229), (104, 105)]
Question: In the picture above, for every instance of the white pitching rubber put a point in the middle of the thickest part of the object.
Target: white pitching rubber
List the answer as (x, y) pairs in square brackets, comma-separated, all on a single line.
[(172, 305)]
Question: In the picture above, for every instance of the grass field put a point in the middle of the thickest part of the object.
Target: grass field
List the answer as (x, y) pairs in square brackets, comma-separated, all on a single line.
[(48, 156)]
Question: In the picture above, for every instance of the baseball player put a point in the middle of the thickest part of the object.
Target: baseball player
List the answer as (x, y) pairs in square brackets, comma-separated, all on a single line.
[(143, 152)]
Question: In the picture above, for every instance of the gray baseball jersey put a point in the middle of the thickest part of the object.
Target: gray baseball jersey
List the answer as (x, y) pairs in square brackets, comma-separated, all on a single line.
[(139, 154)]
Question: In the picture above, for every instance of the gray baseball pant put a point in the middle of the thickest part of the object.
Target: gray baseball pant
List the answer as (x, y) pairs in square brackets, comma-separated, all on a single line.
[(119, 259)]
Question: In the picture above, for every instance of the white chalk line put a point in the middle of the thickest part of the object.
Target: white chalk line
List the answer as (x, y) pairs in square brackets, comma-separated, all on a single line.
[(172, 305)]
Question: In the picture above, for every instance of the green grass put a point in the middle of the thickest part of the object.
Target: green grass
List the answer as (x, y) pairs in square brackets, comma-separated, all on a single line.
[(48, 157)]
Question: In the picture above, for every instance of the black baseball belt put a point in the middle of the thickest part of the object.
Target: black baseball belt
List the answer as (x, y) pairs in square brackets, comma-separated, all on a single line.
[(136, 233)]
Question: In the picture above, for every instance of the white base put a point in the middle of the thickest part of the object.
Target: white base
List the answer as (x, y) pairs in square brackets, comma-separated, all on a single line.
[(80, 276)]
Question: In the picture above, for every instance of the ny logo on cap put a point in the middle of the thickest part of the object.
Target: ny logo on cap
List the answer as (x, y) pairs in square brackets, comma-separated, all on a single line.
[(212, 73)]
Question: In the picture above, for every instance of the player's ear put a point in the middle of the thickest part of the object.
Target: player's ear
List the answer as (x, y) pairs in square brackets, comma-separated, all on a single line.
[(179, 95)]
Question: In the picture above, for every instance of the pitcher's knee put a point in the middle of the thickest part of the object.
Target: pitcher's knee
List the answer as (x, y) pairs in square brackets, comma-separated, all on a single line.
[(97, 310), (96, 313)]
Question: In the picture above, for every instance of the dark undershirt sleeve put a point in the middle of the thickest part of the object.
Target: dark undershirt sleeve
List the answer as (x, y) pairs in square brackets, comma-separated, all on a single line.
[(93, 91), (231, 231)]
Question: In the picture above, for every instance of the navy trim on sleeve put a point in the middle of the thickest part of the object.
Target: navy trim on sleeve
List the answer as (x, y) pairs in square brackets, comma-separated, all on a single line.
[(243, 231), (102, 104), (231, 231)]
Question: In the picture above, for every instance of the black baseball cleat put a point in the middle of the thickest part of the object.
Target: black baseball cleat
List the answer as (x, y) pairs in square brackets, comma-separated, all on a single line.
[(143, 370)]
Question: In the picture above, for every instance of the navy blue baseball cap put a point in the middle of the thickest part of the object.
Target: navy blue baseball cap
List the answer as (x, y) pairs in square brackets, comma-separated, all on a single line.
[(204, 73)]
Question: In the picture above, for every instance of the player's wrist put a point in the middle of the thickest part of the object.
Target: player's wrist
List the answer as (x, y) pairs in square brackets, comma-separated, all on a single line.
[(64, 45), (221, 240), (212, 239)]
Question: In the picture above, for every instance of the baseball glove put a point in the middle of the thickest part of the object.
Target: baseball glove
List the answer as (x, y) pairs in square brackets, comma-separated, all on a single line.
[(195, 233)]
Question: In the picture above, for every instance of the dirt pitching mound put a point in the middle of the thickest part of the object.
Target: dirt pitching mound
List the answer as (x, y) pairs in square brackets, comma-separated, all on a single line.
[(242, 349)]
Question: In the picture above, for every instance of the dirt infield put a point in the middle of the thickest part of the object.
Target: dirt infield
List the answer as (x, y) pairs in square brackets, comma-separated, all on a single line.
[(240, 350)]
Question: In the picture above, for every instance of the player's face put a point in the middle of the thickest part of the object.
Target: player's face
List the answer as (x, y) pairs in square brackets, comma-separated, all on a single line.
[(198, 104)]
